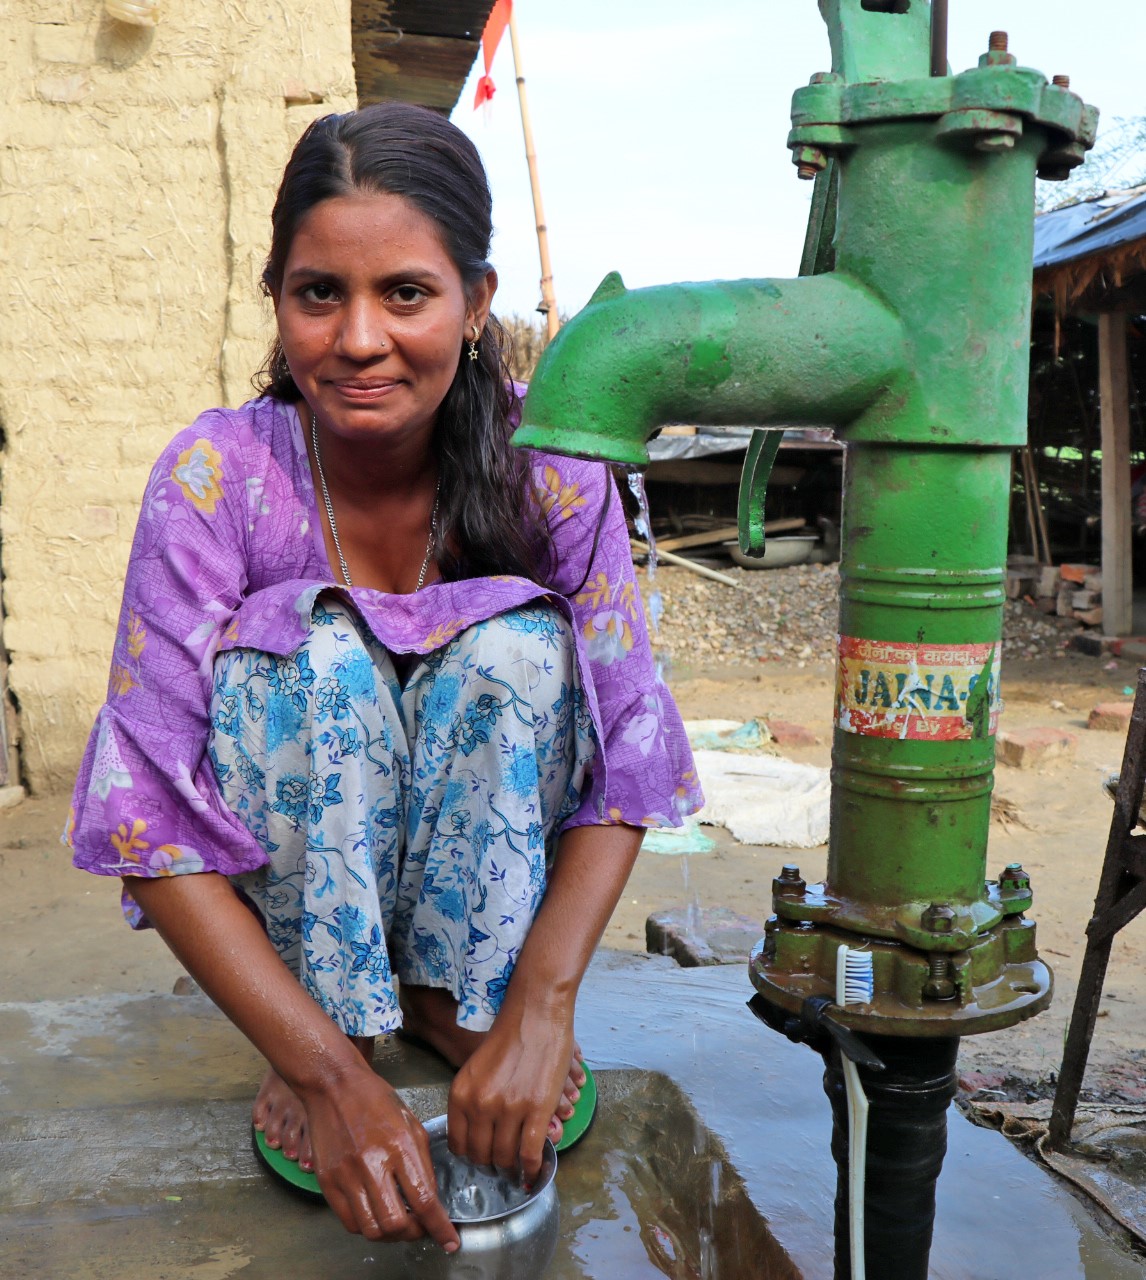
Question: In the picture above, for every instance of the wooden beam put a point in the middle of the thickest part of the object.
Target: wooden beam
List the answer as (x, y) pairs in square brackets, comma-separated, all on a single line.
[(1114, 400), (726, 533)]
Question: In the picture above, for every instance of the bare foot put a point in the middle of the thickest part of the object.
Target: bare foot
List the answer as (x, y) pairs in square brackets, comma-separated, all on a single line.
[(281, 1117), (432, 1014)]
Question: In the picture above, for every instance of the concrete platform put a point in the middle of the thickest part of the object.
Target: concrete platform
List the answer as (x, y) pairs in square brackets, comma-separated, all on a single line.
[(124, 1152)]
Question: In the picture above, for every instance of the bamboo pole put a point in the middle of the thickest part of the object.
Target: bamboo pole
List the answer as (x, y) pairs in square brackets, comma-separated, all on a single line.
[(1036, 521), (1040, 514), (642, 549), (1032, 532), (548, 297)]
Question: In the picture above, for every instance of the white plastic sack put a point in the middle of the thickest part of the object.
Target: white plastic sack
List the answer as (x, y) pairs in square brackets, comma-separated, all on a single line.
[(763, 799)]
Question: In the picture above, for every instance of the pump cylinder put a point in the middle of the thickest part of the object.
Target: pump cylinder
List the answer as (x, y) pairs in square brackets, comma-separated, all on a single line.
[(922, 589)]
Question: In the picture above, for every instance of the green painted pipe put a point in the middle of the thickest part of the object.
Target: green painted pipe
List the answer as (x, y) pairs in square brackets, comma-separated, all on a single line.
[(816, 350), (915, 348)]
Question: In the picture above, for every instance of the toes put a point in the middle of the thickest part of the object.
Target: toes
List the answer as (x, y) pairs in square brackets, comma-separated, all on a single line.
[(260, 1111), (263, 1108), (305, 1153), (572, 1089), (576, 1070), (555, 1130), (292, 1136), (273, 1130)]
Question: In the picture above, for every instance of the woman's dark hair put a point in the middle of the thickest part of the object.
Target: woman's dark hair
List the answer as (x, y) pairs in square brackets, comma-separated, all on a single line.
[(488, 520)]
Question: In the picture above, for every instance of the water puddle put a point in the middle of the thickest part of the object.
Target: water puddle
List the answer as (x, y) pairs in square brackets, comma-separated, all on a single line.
[(648, 1193)]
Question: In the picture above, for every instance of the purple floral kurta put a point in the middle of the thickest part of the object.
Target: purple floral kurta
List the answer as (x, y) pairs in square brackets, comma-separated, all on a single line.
[(229, 554)]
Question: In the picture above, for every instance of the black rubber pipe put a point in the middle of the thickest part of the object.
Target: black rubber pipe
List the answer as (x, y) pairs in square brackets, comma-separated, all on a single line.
[(906, 1143)]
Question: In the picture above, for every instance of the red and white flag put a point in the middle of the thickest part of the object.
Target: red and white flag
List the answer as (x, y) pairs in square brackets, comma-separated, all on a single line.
[(491, 37)]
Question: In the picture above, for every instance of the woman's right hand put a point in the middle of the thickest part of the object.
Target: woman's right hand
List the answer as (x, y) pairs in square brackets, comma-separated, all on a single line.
[(372, 1159), (372, 1155)]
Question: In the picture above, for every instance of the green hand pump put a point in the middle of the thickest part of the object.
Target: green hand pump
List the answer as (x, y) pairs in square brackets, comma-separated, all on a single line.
[(909, 334)]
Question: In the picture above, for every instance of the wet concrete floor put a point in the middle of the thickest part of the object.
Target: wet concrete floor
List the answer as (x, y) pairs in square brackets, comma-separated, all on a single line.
[(124, 1152)]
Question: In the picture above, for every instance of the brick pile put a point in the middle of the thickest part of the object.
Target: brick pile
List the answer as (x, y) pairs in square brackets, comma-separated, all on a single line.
[(1065, 590)]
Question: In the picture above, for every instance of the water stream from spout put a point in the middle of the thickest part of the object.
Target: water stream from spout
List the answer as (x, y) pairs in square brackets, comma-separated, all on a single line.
[(643, 524)]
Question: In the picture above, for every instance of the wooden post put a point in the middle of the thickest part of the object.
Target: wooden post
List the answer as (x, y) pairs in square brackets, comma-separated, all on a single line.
[(1121, 897), (548, 297), (1114, 403)]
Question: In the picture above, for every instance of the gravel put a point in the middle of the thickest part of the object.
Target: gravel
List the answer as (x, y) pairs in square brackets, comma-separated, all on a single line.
[(790, 615)]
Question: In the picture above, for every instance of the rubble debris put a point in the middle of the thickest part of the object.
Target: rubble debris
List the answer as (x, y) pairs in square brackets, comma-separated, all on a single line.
[(791, 615)]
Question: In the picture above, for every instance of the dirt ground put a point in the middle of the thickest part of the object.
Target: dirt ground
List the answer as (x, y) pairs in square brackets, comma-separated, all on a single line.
[(63, 936)]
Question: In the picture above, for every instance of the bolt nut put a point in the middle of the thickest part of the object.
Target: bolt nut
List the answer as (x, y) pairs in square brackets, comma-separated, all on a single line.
[(1063, 82), (1014, 877), (938, 918), (808, 161), (940, 984), (939, 989), (789, 883), (997, 55)]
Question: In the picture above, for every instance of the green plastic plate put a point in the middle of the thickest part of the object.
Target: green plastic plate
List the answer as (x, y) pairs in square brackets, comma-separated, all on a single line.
[(288, 1170), (585, 1108)]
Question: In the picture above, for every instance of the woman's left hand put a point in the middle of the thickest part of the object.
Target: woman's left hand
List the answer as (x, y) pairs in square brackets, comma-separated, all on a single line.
[(505, 1095)]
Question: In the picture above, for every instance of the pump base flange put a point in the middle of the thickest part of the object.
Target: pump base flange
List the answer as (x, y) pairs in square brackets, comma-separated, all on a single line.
[(995, 983)]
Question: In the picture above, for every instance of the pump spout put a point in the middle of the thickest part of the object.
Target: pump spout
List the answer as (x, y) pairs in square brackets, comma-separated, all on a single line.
[(817, 351)]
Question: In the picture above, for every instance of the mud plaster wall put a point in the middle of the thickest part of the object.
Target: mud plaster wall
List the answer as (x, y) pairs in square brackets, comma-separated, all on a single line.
[(137, 172)]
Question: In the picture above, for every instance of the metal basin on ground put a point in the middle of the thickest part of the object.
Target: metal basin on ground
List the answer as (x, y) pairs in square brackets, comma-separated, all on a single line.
[(779, 553), (506, 1231)]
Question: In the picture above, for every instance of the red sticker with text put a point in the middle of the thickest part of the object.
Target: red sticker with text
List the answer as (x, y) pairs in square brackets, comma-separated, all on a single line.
[(931, 692)]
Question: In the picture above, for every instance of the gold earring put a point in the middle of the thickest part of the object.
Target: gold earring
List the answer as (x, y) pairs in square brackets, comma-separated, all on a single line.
[(473, 346)]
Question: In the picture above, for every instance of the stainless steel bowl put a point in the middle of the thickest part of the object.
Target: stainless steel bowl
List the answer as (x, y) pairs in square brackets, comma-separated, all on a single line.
[(507, 1233)]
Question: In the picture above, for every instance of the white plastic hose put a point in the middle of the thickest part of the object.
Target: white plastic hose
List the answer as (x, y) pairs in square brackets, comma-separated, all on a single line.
[(855, 984)]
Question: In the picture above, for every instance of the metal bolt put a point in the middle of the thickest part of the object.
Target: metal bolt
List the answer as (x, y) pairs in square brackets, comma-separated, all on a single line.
[(997, 43), (809, 161), (993, 143), (939, 985), (938, 918), (1063, 82), (789, 883)]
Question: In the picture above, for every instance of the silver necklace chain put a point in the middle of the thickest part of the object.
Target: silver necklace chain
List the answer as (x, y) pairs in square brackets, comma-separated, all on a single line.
[(334, 524)]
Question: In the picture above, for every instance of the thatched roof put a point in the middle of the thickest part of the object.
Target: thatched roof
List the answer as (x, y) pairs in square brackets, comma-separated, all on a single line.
[(415, 50)]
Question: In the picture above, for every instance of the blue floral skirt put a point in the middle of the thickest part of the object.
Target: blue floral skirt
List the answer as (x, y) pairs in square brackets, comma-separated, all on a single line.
[(407, 826)]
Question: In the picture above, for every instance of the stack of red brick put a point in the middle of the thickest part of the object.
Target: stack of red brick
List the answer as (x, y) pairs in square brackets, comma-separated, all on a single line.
[(1068, 590), (1035, 745)]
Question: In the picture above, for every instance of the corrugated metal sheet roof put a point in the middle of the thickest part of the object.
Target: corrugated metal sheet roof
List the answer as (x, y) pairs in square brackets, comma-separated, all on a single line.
[(1094, 226), (415, 50)]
